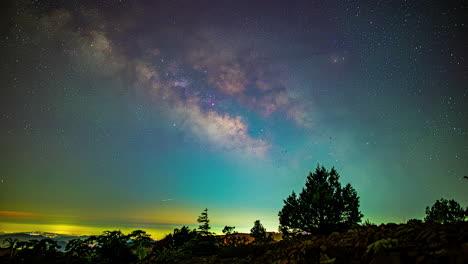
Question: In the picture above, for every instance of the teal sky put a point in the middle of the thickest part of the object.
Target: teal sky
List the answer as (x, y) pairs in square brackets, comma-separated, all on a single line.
[(143, 113)]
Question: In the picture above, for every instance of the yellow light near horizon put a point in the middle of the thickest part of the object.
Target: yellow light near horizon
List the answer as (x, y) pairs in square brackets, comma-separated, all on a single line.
[(76, 230)]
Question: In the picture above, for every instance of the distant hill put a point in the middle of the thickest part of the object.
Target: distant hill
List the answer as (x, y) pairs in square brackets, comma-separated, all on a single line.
[(276, 236), (61, 239)]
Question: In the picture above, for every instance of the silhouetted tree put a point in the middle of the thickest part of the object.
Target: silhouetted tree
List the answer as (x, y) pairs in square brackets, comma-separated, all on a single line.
[(204, 222), (205, 243), (37, 251), (368, 223), (445, 211), (414, 221), (140, 241), (229, 230), (80, 249), (231, 237), (23, 245), (258, 232), (112, 247), (322, 206), (12, 244), (177, 245), (45, 247), (182, 236)]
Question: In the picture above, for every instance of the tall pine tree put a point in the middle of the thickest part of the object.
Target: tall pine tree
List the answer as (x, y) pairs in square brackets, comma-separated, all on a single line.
[(204, 227)]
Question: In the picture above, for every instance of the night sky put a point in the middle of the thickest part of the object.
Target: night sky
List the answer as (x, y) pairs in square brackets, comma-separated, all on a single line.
[(139, 114)]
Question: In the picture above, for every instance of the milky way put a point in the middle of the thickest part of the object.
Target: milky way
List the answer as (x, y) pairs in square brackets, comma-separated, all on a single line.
[(150, 111)]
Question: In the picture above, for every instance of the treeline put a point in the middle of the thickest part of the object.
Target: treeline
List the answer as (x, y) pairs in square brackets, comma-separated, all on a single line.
[(323, 207), (137, 246)]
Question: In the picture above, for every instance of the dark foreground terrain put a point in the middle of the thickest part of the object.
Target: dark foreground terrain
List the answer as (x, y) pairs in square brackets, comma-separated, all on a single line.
[(390, 243)]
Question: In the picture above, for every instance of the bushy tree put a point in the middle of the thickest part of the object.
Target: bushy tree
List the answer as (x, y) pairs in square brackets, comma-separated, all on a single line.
[(414, 221), (113, 247), (185, 242), (12, 244), (82, 250), (37, 251), (258, 232), (323, 206), (182, 236), (45, 247), (140, 241), (229, 230), (445, 211), (231, 237), (174, 246)]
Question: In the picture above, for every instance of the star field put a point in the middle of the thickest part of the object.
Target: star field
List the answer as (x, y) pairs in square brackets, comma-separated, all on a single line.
[(132, 112)]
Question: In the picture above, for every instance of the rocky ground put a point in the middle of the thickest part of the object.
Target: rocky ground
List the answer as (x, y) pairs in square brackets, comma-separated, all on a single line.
[(390, 243)]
